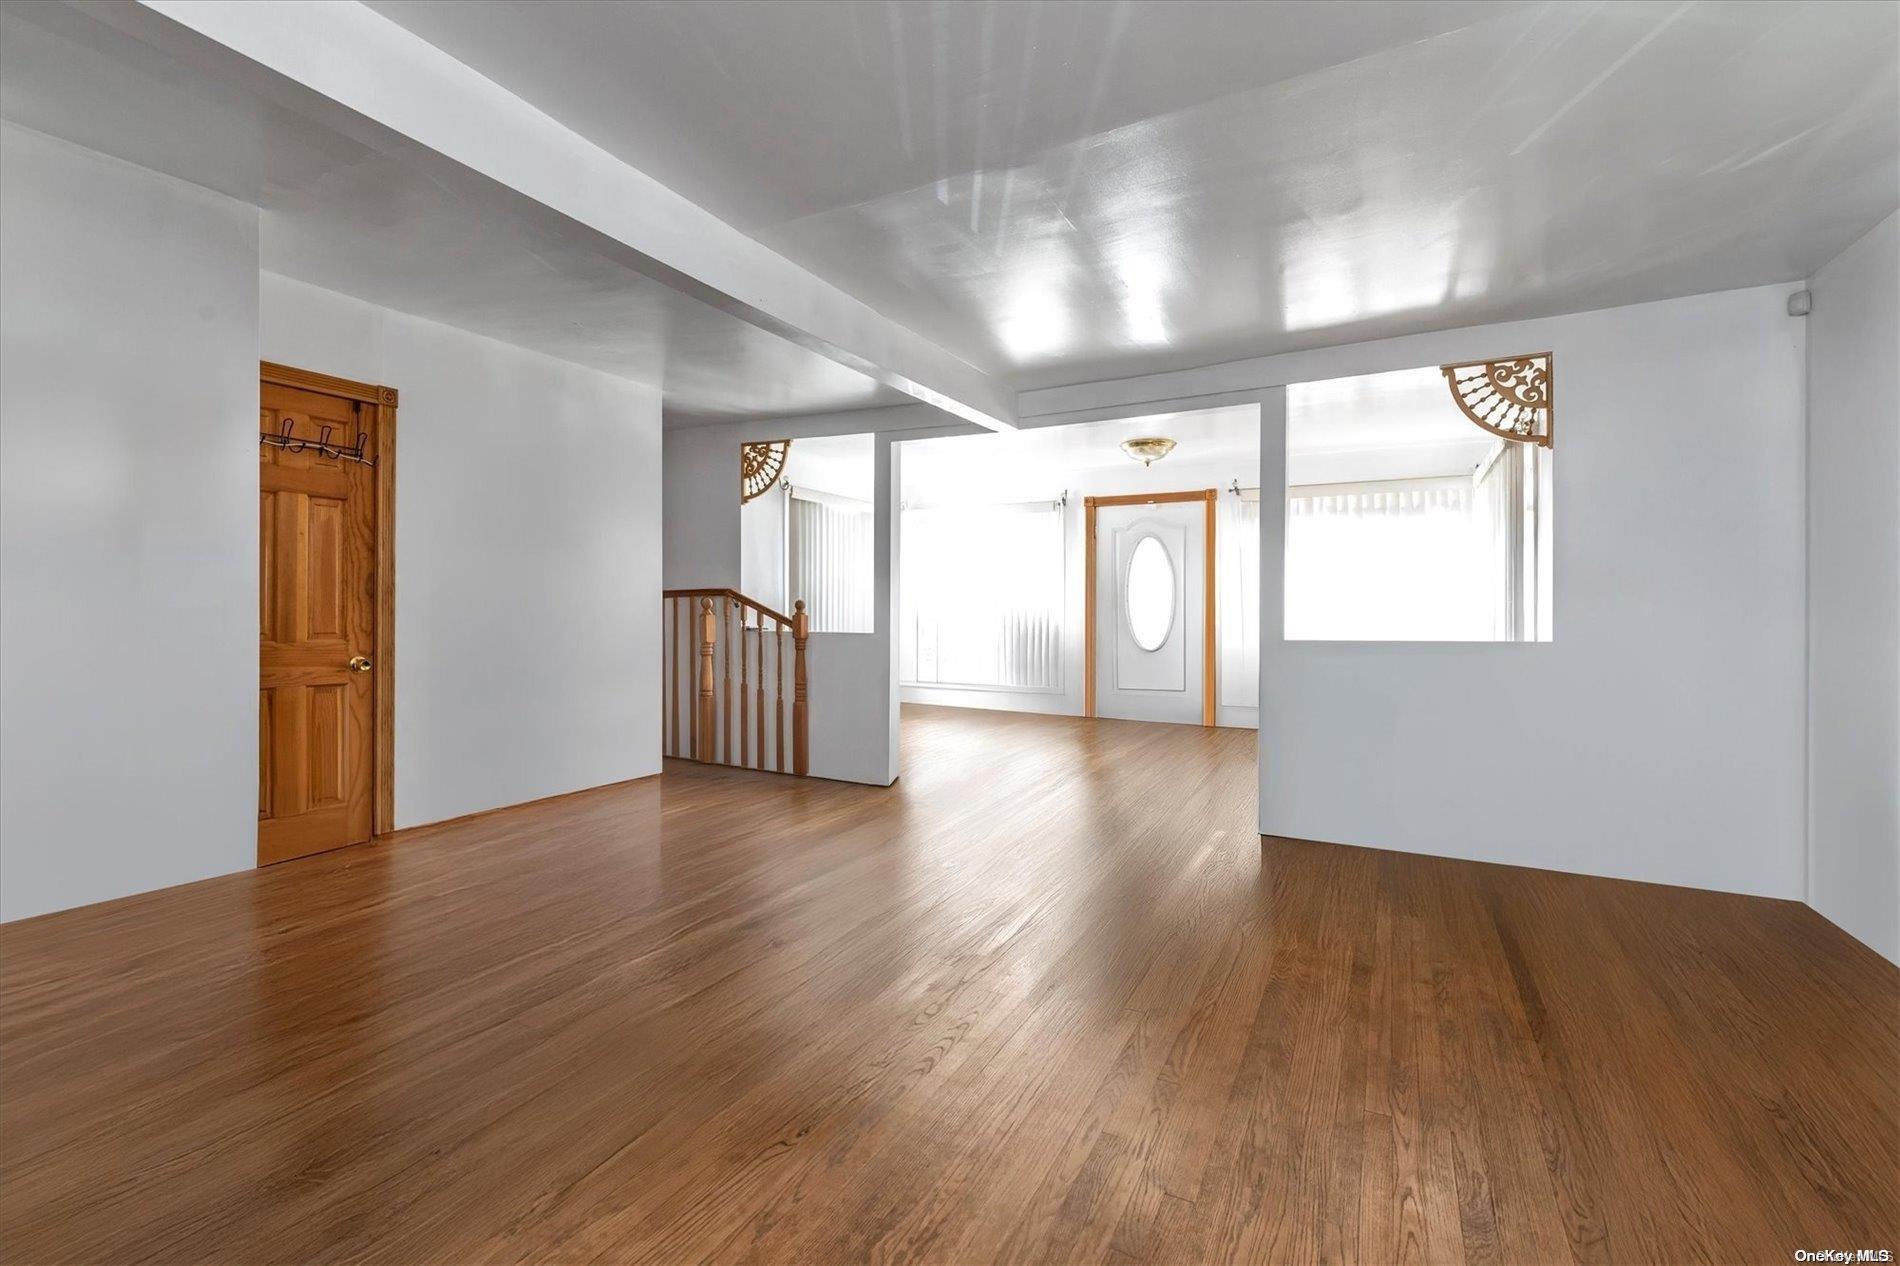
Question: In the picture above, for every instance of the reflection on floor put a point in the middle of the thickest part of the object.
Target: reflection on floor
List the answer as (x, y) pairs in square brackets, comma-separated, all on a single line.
[(1048, 998)]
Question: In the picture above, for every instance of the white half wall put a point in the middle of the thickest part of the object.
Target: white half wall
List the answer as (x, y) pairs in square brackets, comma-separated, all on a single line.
[(855, 735), (1661, 736), (527, 554), (1854, 590), (128, 528)]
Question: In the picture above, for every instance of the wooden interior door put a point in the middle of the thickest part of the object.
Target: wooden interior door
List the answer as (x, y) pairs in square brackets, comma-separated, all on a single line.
[(317, 749)]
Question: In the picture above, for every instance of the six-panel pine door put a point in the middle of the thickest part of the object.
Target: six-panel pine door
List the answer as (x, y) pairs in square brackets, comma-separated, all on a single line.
[(316, 756)]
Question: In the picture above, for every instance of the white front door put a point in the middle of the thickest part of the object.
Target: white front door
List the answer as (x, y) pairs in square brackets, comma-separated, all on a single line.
[(1151, 611)]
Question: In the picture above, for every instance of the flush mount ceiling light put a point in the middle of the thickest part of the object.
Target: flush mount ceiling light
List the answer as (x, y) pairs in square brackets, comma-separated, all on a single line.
[(1149, 449)]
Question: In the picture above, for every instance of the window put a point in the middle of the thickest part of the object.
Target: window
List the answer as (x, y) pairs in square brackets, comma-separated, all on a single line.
[(829, 560), (808, 531), (1149, 594), (982, 596), (1237, 589), (1384, 561), (1407, 523)]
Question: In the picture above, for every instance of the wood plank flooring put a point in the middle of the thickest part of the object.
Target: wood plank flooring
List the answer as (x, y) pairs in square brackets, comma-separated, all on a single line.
[(1048, 999)]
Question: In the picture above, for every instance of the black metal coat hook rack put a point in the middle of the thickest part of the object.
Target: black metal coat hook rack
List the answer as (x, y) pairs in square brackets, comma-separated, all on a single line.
[(321, 446)]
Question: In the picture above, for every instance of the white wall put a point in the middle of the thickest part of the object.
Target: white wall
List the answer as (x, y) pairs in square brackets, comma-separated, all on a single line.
[(527, 578), (1854, 590), (700, 528), (128, 528), (855, 734), (1661, 735), (527, 532)]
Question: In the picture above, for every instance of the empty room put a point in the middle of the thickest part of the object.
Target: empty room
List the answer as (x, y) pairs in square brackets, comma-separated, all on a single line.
[(949, 631)]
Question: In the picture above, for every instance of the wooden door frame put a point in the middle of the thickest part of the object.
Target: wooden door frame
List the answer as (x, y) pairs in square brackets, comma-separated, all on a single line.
[(383, 675), (1089, 504)]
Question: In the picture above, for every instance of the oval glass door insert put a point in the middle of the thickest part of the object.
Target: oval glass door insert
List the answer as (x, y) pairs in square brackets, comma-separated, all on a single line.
[(1148, 594)]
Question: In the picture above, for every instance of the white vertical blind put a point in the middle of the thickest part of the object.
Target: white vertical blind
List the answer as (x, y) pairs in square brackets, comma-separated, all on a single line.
[(982, 596), (1237, 583), (829, 561)]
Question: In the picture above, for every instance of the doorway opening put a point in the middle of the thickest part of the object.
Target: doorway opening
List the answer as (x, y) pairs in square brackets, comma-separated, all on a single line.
[(326, 615), (1073, 571), (1150, 625)]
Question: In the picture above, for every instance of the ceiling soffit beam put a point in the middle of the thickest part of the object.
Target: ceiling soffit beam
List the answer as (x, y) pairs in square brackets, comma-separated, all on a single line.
[(1237, 381), (353, 58)]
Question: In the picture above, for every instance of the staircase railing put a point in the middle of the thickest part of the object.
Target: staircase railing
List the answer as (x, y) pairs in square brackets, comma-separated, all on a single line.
[(708, 633)]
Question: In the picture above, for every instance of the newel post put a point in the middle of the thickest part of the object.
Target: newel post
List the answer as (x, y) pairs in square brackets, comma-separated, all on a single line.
[(801, 714), (708, 634)]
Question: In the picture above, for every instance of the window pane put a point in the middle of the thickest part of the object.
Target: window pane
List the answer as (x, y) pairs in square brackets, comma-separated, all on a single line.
[(830, 561), (1150, 594), (811, 535), (982, 593), (1406, 522)]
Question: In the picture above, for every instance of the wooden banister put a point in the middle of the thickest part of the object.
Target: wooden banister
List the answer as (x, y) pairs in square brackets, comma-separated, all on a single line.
[(703, 727), (728, 617), (735, 596), (801, 709), (725, 629)]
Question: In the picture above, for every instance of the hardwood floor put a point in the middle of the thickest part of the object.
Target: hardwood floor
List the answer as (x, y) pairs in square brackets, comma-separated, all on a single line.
[(1048, 999)]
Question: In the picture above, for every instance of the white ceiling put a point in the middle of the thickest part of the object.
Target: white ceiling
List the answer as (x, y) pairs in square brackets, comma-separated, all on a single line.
[(342, 212), (1393, 410), (1403, 424), (1059, 192), (1052, 192)]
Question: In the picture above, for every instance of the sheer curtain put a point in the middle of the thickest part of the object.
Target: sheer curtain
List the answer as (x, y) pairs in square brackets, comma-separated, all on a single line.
[(982, 596), (1512, 490), (1237, 537), (829, 561), (1389, 561)]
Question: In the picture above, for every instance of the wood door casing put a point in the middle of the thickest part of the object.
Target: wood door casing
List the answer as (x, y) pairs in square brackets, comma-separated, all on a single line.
[(319, 562), (1208, 497)]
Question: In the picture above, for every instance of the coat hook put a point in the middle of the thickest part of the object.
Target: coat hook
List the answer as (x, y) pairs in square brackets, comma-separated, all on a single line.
[(286, 439)]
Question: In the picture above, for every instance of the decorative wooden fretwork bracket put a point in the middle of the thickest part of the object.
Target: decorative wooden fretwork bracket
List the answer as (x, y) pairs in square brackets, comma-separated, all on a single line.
[(760, 465), (1512, 398)]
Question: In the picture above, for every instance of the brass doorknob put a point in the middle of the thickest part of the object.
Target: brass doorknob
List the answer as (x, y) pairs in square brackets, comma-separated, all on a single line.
[(360, 664)]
